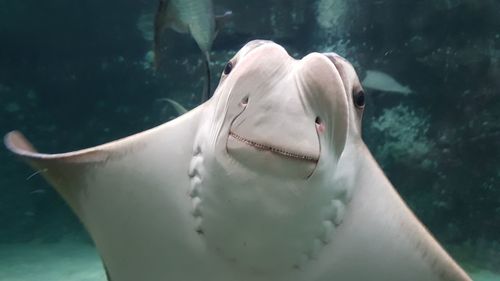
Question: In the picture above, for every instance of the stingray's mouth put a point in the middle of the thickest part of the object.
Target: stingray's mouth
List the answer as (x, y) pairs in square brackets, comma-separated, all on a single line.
[(274, 149), (265, 158)]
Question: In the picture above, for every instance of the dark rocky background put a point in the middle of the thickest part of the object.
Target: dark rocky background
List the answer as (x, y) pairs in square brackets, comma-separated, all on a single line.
[(75, 74)]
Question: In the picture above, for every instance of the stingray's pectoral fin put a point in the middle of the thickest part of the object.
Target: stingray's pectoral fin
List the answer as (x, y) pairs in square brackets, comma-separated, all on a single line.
[(61, 170), (55, 169), (114, 166), (17, 143), (128, 192)]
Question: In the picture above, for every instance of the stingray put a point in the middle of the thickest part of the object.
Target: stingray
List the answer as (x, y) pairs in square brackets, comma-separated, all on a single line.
[(268, 180)]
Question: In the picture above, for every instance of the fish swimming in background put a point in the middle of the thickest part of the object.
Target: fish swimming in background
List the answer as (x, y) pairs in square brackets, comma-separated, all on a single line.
[(195, 17), (179, 108), (381, 81)]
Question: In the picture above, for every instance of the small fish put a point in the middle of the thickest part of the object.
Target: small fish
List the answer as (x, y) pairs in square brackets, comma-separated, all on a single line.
[(381, 81), (38, 191), (145, 24), (195, 17)]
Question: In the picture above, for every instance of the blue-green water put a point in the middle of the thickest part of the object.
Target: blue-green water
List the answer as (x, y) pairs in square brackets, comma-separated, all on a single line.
[(75, 74)]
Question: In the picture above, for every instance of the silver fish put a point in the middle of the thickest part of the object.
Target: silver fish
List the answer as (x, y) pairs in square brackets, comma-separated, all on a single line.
[(381, 81), (195, 17)]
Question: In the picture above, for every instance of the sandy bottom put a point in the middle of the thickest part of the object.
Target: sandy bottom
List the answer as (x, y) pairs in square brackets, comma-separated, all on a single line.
[(67, 260), (485, 275), (74, 260)]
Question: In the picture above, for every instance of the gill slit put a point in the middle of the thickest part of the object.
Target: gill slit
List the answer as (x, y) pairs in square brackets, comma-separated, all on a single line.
[(319, 154)]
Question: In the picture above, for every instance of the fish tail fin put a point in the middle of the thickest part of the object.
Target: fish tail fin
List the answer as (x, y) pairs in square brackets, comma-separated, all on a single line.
[(207, 88)]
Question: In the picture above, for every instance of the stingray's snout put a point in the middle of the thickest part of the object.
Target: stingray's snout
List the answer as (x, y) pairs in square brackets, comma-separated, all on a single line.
[(291, 110), (276, 134)]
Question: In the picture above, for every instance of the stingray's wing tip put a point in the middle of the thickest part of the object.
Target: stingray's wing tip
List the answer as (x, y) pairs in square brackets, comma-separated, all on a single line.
[(16, 142)]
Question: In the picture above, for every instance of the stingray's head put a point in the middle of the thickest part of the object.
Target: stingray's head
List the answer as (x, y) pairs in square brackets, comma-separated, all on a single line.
[(277, 127), (283, 116)]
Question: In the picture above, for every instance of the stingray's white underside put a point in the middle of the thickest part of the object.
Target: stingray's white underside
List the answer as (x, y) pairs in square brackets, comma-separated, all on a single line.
[(142, 223)]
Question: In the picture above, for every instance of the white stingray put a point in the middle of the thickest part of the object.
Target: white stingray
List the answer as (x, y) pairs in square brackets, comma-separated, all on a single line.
[(269, 180)]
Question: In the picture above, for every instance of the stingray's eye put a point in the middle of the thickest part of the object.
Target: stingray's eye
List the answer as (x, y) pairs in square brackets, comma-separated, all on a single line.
[(359, 99), (228, 68)]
